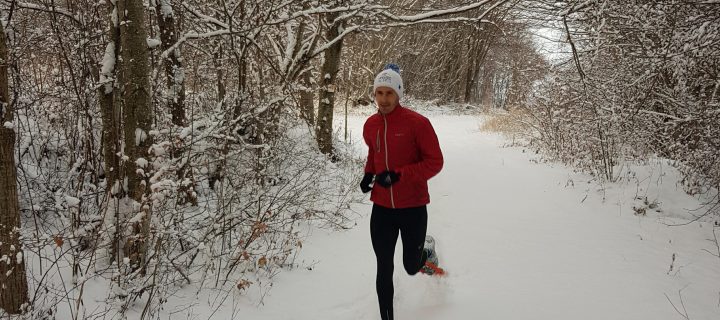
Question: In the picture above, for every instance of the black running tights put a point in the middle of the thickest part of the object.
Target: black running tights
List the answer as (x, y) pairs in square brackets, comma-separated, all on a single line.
[(385, 225)]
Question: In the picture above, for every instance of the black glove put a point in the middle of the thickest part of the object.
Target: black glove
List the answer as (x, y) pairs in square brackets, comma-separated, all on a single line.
[(365, 183), (387, 178)]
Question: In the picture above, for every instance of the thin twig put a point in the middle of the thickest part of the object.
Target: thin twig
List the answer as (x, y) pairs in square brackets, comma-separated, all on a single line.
[(682, 304)]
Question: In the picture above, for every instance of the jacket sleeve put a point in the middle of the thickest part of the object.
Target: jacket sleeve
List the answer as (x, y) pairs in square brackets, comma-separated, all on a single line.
[(369, 164), (431, 158)]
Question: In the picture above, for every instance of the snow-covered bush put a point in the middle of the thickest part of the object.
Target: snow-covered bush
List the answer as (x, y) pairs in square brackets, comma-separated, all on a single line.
[(642, 82)]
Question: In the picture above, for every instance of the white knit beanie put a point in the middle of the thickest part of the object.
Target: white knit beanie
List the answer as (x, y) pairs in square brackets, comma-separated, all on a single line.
[(390, 77)]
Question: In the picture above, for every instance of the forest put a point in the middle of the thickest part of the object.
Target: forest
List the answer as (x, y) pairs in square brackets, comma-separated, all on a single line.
[(154, 144)]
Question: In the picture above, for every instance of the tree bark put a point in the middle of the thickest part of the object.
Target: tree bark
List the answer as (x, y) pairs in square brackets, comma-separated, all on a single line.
[(218, 63), (174, 71), (137, 116), (307, 99), (110, 116), (109, 103), (326, 95), (13, 280)]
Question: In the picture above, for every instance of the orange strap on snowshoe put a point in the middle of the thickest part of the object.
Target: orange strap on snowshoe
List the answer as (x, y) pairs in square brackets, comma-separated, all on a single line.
[(436, 270)]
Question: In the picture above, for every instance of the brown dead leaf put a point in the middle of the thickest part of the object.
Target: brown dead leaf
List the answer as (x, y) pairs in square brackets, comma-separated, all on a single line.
[(262, 262), (243, 284), (58, 241)]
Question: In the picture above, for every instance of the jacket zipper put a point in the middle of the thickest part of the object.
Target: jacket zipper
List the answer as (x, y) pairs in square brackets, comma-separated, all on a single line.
[(387, 163), (377, 141)]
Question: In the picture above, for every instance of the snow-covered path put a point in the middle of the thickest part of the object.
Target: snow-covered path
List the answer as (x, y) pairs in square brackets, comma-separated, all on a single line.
[(520, 240)]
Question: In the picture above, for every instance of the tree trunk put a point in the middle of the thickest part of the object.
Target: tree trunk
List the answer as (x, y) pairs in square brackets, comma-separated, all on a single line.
[(110, 119), (307, 99), (109, 103), (174, 71), (328, 74), (216, 174), (218, 63), (13, 280), (137, 116), (242, 68)]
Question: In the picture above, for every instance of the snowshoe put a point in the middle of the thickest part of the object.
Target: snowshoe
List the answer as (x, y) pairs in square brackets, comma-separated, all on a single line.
[(431, 262)]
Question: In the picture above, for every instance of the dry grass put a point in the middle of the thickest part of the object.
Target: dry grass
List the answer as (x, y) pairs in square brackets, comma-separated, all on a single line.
[(507, 122)]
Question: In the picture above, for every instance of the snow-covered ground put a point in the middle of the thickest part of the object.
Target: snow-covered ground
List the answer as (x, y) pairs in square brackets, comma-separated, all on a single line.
[(521, 239)]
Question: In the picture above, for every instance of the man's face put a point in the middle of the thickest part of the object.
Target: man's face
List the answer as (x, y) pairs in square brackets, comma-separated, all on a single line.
[(386, 99)]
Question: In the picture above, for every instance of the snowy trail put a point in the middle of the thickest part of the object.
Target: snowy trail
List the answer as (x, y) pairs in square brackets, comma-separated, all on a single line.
[(518, 241)]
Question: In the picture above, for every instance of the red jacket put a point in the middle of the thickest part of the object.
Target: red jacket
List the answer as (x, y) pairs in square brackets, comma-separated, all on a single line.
[(402, 141)]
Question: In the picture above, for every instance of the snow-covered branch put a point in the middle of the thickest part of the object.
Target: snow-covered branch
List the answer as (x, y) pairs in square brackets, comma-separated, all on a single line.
[(193, 35), (204, 17), (44, 8), (328, 44), (439, 13)]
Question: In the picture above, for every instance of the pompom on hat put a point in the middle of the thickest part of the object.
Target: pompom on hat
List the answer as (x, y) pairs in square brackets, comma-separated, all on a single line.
[(390, 77)]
